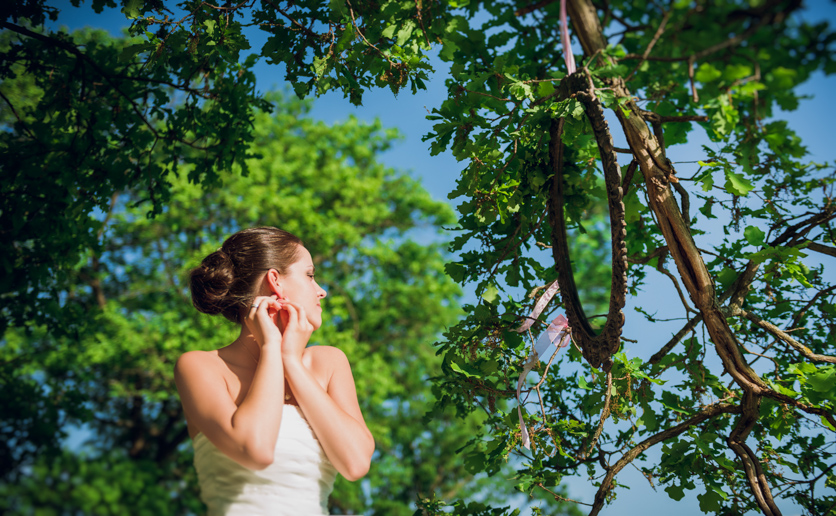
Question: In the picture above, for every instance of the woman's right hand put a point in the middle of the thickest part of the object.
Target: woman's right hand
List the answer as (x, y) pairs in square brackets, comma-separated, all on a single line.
[(262, 320)]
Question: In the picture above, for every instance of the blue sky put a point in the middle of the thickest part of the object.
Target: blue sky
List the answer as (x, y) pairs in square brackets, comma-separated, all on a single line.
[(813, 121)]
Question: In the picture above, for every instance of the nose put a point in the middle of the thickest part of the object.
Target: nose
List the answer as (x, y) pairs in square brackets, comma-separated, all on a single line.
[(322, 293)]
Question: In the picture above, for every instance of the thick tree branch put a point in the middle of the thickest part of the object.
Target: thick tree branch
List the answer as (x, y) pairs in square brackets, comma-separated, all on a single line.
[(650, 154), (819, 248), (751, 463)]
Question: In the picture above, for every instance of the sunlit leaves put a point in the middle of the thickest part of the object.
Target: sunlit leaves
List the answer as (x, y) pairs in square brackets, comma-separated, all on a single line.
[(753, 205), (373, 234)]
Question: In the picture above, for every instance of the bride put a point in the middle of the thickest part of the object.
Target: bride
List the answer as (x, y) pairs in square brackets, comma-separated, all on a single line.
[(271, 420)]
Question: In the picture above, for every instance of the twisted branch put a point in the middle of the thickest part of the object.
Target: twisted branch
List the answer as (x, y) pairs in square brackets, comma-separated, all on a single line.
[(597, 349)]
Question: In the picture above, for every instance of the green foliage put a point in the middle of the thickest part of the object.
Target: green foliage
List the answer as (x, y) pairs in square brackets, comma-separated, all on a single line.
[(726, 67), (84, 117), (373, 234)]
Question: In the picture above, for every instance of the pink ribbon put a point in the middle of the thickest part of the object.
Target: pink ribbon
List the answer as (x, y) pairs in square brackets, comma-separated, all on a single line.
[(539, 307), (568, 57), (558, 330)]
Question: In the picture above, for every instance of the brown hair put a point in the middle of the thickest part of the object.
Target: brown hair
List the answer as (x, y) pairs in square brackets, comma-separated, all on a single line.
[(226, 281)]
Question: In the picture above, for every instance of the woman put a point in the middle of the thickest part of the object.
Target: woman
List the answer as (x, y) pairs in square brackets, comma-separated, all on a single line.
[(271, 420)]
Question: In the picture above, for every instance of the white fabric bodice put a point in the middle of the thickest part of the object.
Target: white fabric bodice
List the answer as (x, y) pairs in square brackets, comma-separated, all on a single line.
[(297, 483)]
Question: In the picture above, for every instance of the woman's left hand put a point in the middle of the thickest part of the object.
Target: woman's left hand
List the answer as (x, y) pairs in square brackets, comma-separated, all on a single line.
[(296, 333)]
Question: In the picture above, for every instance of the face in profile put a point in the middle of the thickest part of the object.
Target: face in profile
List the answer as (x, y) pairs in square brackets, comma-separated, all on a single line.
[(299, 286)]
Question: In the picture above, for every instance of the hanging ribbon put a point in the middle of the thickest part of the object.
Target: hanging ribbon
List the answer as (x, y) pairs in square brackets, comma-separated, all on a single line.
[(539, 307), (558, 330), (568, 57)]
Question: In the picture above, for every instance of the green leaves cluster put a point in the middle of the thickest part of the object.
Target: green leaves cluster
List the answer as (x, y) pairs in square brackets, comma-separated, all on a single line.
[(755, 206), (84, 117), (372, 232)]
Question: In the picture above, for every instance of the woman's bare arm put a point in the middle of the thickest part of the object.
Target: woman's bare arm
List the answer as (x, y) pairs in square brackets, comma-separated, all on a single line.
[(246, 433), (333, 412)]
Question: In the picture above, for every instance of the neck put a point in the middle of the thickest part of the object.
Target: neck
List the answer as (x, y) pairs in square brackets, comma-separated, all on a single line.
[(247, 343)]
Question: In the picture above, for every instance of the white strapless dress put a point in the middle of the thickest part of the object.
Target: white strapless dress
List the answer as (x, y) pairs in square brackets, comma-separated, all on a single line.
[(297, 483)]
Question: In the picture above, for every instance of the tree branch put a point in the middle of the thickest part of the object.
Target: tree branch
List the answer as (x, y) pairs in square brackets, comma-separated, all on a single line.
[(733, 41), (706, 413), (678, 336), (605, 413), (533, 7), (779, 333), (819, 248), (652, 43), (751, 463), (810, 303)]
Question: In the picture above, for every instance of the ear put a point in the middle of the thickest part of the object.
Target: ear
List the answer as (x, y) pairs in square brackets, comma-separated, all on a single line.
[(272, 280)]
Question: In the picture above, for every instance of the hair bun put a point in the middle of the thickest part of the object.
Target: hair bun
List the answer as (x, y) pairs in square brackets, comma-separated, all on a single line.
[(228, 279), (210, 283)]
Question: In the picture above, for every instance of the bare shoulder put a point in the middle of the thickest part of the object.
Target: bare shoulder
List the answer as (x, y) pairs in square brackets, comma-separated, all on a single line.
[(326, 356), (327, 361), (196, 362)]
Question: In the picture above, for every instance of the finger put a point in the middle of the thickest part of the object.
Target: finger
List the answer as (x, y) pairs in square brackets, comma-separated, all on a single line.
[(255, 305), (292, 313), (252, 309), (302, 316), (259, 305), (265, 306)]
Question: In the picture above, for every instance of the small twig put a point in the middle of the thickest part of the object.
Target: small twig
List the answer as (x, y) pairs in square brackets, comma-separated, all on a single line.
[(25, 128), (533, 7), (561, 498), (628, 177), (656, 37), (689, 327), (660, 266), (694, 96), (760, 355), (605, 413), (354, 22), (709, 50), (809, 304), (235, 8)]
